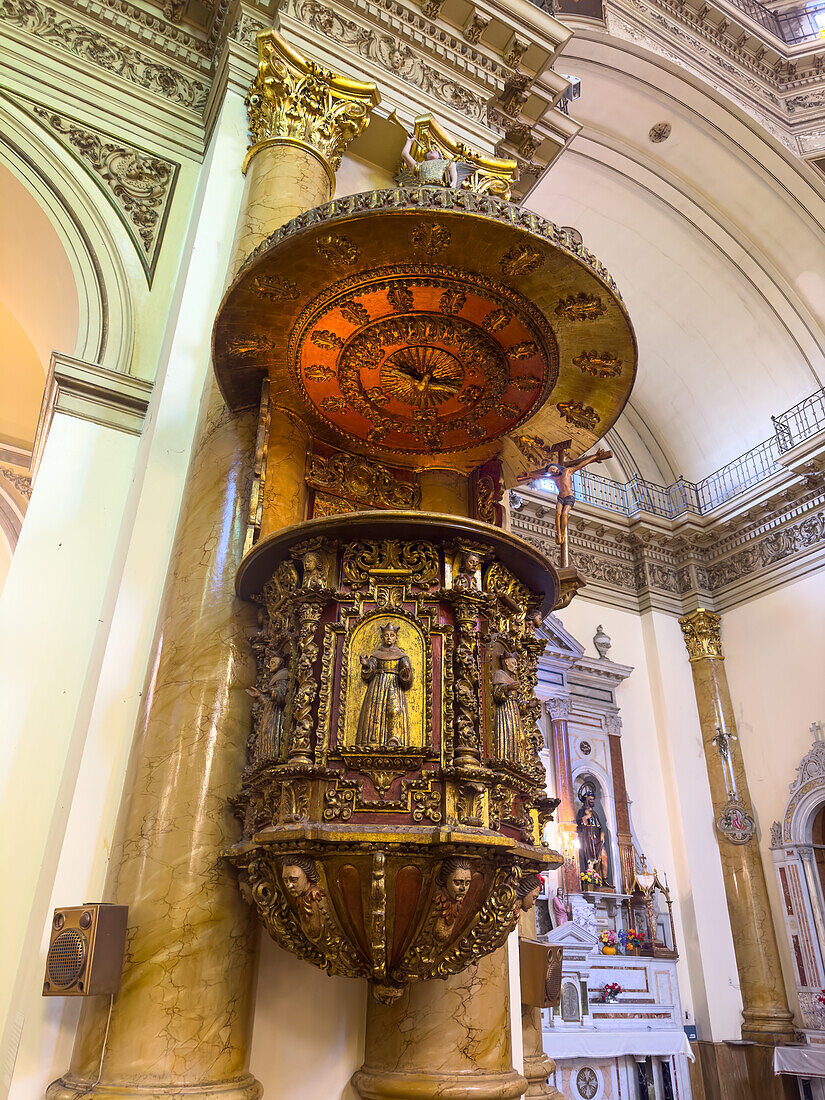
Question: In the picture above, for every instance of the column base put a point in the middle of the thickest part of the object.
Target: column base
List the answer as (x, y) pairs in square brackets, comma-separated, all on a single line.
[(70, 1087), (379, 1085), (770, 1028)]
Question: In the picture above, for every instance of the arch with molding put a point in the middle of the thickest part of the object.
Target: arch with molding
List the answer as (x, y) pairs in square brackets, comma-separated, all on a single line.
[(800, 884), (105, 334)]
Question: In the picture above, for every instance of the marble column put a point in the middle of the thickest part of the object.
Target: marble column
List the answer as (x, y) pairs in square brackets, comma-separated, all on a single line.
[(765, 1014), (445, 491), (538, 1066), (443, 1040), (181, 1022), (558, 708), (624, 837)]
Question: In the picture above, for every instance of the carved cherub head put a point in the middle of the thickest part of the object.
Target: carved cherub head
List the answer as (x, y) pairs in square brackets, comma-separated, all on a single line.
[(528, 889), (471, 563), (454, 877), (298, 873)]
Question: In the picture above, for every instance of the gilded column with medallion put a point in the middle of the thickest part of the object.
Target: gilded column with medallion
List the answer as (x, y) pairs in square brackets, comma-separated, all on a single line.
[(181, 1022), (765, 1014)]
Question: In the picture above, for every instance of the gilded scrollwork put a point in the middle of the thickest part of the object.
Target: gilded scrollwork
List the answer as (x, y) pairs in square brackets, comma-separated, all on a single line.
[(419, 559)]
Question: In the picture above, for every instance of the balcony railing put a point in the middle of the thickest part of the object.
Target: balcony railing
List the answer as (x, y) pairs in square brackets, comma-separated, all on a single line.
[(669, 501)]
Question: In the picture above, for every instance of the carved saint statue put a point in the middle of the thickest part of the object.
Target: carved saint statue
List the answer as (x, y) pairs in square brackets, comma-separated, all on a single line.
[(271, 699), (507, 726), (431, 170), (592, 850), (453, 882), (314, 572), (301, 885), (384, 721), (466, 577), (560, 915)]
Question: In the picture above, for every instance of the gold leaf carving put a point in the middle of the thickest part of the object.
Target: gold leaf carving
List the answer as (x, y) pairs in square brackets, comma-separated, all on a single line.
[(581, 307), (575, 412), (599, 364)]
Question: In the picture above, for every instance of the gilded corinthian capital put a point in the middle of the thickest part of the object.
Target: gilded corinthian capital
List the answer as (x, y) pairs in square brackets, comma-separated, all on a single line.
[(701, 633), (296, 102)]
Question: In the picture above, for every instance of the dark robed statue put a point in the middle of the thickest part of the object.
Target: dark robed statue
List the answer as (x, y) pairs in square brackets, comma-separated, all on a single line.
[(384, 721), (592, 849)]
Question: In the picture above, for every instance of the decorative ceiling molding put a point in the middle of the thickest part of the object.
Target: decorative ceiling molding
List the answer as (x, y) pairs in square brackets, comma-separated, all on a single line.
[(139, 185), (88, 44)]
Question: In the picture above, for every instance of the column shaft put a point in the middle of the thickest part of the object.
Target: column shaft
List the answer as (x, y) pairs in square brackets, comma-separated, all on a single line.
[(285, 488), (445, 491), (765, 1010), (443, 1040), (182, 1016), (559, 709)]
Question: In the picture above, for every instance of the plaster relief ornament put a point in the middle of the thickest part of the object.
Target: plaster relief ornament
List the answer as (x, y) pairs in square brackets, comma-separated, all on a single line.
[(467, 576), (592, 850), (384, 721), (506, 690), (271, 700)]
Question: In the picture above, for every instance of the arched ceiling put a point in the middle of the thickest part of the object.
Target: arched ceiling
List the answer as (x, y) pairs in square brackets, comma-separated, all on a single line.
[(38, 308), (715, 238)]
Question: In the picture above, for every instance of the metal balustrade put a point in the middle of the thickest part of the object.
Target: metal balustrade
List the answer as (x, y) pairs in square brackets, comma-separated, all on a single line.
[(669, 501)]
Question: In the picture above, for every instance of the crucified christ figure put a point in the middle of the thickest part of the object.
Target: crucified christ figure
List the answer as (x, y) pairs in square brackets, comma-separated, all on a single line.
[(562, 476)]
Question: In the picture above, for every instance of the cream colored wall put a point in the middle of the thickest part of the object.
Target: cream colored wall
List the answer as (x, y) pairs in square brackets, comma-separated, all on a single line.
[(308, 1036), (775, 659), (670, 800)]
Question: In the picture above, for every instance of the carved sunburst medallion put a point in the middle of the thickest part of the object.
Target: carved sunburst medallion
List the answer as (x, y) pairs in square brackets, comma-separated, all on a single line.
[(423, 376), (424, 363)]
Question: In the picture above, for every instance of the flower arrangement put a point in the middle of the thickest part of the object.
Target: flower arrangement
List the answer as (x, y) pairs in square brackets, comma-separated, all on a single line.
[(610, 992), (591, 878), (608, 938), (631, 940), (821, 998)]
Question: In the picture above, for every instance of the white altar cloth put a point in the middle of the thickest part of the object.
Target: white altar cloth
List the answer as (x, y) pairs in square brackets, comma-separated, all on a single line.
[(800, 1061), (659, 1042)]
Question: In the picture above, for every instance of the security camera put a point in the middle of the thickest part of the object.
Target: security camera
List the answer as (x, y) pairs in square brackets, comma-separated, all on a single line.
[(575, 89)]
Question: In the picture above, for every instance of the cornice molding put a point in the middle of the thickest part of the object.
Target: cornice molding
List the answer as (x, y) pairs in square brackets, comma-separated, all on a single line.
[(90, 392), (717, 561)]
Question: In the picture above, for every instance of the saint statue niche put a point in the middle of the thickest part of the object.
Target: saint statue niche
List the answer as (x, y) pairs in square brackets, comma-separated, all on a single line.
[(384, 721), (271, 699), (592, 848), (507, 728)]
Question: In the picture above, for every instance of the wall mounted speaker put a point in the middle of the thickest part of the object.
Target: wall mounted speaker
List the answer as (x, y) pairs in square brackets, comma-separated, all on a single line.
[(540, 966), (86, 947)]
